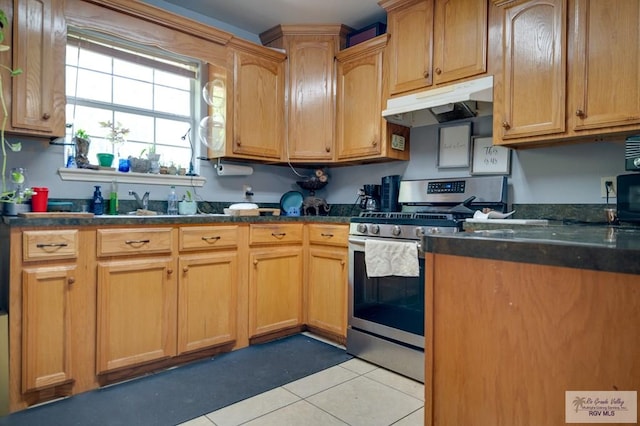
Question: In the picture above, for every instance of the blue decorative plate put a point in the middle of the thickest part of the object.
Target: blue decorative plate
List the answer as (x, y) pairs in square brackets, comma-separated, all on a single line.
[(291, 200)]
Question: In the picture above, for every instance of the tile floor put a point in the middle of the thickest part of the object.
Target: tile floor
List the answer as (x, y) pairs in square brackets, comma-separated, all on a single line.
[(352, 393)]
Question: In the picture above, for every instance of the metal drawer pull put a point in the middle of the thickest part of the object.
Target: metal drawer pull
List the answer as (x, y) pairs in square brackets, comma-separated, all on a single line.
[(326, 235), (137, 241), (52, 245), (210, 238), (279, 234)]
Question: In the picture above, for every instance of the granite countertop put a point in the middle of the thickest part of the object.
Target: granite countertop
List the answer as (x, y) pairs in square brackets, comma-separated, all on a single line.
[(202, 219), (604, 248)]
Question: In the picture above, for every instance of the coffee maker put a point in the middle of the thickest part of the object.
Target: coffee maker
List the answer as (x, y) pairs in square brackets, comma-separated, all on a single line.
[(371, 199)]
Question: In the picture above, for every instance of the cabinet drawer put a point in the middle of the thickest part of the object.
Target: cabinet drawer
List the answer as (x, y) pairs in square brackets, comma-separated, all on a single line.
[(43, 245), (124, 242), (333, 235), (208, 237), (274, 233)]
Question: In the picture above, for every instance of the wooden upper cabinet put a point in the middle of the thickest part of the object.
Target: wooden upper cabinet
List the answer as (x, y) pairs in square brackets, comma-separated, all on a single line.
[(532, 98), (606, 64), (37, 100), (359, 100), (311, 77), (460, 39), (258, 101), (410, 24)]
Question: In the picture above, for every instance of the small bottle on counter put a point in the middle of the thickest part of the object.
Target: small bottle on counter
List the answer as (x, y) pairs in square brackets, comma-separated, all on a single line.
[(172, 201), (98, 201), (113, 198)]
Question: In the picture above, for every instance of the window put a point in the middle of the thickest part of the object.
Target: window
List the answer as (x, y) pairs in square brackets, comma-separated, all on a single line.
[(153, 94)]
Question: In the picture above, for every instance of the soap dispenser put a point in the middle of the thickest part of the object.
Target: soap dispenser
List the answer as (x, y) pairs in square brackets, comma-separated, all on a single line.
[(98, 201)]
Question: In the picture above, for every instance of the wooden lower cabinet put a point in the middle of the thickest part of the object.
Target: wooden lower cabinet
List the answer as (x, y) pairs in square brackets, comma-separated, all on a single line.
[(327, 289), (275, 277), (46, 322), (136, 312), (326, 276), (505, 340), (207, 298), (275, 289)]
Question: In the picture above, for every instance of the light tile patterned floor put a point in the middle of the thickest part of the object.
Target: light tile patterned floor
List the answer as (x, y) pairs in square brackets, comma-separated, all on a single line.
[(353, 393)]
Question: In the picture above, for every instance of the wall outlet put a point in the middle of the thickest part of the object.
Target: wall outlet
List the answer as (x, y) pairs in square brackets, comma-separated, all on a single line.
[(613, 190), (247, 192)]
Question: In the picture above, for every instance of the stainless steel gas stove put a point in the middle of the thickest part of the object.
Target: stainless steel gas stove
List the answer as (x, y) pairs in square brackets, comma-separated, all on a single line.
[(386, 313)]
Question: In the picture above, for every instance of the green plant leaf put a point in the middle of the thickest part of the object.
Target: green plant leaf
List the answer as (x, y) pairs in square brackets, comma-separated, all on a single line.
[(15, 147), (3, 47), (15, 72)]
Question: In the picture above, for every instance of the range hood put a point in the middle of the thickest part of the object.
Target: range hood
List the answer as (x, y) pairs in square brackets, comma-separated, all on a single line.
[(453, 102)]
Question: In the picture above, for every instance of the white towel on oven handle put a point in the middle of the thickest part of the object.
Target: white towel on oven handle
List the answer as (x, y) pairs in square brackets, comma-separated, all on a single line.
[(384, 258)]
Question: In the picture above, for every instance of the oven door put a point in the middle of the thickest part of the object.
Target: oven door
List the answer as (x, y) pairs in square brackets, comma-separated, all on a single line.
[(390, 307)]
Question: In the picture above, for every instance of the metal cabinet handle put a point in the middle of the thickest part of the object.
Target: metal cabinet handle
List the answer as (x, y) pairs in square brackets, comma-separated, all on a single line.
[(42, 245), (131, 242), (580, 113), (207, 239), (326, 235), (506, 125), (278, 234)]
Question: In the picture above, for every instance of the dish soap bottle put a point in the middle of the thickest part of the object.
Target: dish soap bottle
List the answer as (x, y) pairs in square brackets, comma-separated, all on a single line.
[(172, 201), (113, 198), (98, 201)]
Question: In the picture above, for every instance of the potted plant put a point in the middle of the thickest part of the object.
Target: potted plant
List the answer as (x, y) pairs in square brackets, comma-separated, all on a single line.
[(7, 197), (116, 134), (140, 164), (187, 205), (82, 142)]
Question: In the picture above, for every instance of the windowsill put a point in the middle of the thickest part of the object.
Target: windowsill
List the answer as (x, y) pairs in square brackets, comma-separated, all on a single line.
[(88, 175)]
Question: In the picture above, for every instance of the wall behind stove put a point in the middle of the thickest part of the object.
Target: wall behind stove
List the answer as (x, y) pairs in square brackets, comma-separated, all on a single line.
[(566, 174)]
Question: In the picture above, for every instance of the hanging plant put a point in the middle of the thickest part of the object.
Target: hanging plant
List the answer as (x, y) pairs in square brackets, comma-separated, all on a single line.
[(7, 196)]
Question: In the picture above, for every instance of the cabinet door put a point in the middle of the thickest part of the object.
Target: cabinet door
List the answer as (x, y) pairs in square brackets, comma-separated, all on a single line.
[(275, 289), (258, 129), (136, 312), (327, 289), (460, 39), (606, 61), (410, 46), (39, 40), (207, 295), (359, 104), (534, 88), (311, 93), (46, 337)]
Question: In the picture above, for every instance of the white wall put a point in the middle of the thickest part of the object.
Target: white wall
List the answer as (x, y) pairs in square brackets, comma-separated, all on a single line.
[(567, 174)]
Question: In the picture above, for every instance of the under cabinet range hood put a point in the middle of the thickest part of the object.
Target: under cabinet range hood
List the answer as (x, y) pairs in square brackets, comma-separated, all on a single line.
[(453, 102)]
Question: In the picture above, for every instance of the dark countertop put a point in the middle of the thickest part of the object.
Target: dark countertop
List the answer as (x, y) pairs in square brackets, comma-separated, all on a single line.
[(602, 248), (200, 219)]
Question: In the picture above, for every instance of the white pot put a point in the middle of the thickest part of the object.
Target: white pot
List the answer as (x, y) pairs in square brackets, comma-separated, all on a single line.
[(187, 207)]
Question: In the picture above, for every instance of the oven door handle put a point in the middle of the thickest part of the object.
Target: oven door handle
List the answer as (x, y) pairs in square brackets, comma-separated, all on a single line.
[(359, 241)]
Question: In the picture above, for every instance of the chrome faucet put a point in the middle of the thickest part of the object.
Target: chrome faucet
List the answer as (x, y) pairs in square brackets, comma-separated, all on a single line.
[(142, 203)]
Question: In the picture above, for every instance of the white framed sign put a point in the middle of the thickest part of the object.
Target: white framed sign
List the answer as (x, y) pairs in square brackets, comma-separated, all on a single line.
[(489, 159), (453, 146)]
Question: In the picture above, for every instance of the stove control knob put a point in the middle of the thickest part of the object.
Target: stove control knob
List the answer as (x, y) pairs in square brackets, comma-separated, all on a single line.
[(396, 230), (375, 229), (362, 228), (420, 232), (434, 231)]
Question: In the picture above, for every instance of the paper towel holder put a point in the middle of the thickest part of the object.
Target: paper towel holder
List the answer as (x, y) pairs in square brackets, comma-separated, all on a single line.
[(232, 169)]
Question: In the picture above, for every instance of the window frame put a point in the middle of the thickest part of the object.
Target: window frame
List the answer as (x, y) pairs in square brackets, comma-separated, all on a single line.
[(199, 110)]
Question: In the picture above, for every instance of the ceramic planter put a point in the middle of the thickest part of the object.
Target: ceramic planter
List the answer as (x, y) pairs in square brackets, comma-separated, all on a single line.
[(187, 207)]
